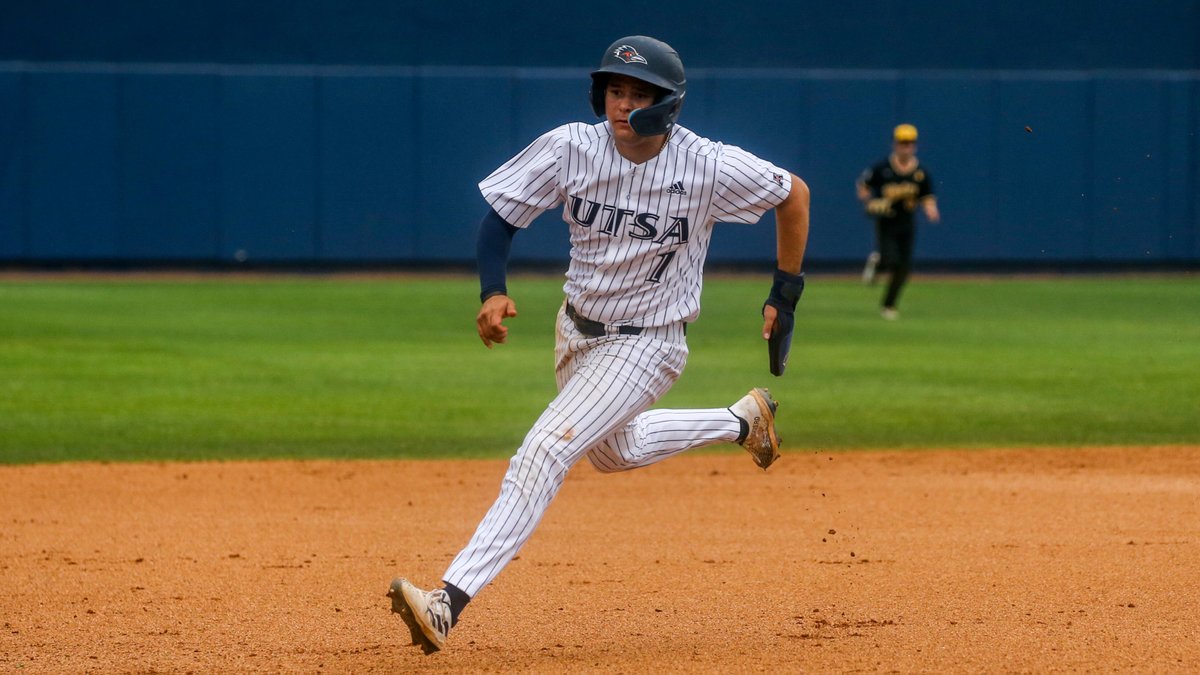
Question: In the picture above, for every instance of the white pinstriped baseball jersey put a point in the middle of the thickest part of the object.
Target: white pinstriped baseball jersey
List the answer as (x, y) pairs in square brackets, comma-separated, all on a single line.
[(639, 232), (639, 237)]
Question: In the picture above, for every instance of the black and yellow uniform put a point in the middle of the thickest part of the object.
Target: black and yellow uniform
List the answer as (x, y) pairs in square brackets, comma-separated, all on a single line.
[(893, 203)]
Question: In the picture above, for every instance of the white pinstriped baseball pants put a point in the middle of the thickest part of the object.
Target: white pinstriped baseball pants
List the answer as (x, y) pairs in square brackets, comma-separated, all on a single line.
[(606, 387)]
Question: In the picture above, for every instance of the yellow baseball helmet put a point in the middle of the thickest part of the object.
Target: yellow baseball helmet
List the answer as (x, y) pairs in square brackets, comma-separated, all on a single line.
[(905, 132)]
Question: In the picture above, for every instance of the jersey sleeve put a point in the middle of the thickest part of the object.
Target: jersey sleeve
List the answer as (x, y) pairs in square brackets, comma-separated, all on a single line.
[(926, 186), (870, 178), (527, 185), (748, 186)]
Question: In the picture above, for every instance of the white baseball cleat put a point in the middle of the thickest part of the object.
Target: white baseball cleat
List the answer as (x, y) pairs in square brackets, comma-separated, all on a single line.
[(890, 313), (758, 410), (868, 274), (426, 613)]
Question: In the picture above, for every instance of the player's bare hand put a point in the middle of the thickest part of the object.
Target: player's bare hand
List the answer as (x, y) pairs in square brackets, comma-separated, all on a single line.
[(769, 314), (490, 321)]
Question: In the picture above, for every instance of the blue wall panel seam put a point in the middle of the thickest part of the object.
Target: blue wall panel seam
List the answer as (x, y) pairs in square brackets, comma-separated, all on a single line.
[(1168, 200), (415, 209), (222, 238), (318, 155), (122, 168), (1193, 208), (285, 70), (26, 117), (1089, 163)]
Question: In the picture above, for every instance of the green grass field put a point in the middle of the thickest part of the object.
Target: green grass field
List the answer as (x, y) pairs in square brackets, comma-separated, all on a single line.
[(335, 367)]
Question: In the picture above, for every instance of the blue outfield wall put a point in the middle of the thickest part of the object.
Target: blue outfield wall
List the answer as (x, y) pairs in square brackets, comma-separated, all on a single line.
[(966, 34), (352, 164)]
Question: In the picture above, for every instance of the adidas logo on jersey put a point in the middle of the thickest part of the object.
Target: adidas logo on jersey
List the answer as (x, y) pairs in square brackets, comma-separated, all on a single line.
[(676, 188)]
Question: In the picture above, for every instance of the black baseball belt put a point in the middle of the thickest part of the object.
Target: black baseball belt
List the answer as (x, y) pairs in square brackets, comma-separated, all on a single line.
[(596, 329)]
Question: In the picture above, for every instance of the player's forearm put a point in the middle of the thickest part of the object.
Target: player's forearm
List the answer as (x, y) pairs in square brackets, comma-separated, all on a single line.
[(864, 193), (929, 204), (791, 227)]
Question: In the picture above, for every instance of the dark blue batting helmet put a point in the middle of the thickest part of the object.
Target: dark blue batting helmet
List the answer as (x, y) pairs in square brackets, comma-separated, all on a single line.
[(651, 61)]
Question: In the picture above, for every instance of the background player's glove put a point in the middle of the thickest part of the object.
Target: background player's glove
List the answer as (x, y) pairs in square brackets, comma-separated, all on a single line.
[(880, 206), (785, 293)]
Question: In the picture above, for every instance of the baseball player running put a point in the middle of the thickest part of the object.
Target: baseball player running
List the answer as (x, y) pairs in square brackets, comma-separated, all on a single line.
[(890, 191), (640, 195)]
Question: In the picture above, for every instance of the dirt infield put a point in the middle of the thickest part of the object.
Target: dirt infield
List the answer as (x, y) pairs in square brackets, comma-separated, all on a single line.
[(999, 561)]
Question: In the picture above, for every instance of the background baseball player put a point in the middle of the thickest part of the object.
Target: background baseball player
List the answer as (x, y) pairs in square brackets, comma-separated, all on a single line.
[(640, 196), (891, 190)]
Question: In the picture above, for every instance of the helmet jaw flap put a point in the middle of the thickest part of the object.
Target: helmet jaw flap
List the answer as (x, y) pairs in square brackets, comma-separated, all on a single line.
[(651, 61), (657, 119)]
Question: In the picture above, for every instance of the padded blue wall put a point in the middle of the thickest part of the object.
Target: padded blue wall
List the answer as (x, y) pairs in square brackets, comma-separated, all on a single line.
[(13, 167), (970, 34), (306, 164), (71, 128), (310, 131), (367, 143), (169, 192)]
